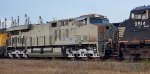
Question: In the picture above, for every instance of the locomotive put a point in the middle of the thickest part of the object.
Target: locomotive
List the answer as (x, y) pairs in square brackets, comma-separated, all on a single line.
[(3, 39), (134, 34), (86, 36)]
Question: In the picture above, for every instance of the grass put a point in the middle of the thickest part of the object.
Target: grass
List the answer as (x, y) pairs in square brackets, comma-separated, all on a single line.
[(8, 66)]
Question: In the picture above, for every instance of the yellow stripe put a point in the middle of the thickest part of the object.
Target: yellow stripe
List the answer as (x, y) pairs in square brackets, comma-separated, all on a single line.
[(122, 41)]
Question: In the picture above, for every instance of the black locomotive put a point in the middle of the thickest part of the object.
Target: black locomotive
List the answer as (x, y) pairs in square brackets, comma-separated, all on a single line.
[(134, 34)]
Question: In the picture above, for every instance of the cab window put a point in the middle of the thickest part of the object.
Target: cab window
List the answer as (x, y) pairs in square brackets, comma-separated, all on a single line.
[(83, 22), (54, 24), (145, 15), (95, 20), (141, 16), (105, 21), (99, 21)]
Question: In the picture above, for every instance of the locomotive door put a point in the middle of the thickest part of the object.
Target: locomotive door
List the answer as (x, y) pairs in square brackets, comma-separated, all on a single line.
[(101, 38)]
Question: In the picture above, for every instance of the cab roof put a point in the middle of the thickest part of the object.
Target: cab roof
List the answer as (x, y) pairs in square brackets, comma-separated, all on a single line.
[(141, 8)]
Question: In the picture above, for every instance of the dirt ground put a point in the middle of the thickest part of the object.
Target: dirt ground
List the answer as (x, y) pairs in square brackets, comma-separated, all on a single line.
[(11, 66)]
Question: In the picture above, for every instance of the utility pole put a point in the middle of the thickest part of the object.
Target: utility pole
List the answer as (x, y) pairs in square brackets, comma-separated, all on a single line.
[(18, 19), (28, 21), (15, 24), (0, 24), (5, 23), (12, 22)]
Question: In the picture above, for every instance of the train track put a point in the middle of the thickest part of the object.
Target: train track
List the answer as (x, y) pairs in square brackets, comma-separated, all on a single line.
[(64, 59)]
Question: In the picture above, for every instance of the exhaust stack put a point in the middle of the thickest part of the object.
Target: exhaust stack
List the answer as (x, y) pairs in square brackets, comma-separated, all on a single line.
[(40, 20), (26, 20)]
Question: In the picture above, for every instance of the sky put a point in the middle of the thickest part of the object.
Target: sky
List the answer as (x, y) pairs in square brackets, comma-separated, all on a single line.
[(115, 10)]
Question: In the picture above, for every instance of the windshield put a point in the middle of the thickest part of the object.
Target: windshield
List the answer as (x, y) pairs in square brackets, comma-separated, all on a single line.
[(105, 21), (143, 15), (98, 21)]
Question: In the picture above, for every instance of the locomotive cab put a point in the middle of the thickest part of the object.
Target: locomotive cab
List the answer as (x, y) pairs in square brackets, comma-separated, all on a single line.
[(97, 29), (106, 32)]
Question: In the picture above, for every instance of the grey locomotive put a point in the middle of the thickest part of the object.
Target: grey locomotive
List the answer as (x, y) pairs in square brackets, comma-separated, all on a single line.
[(86, 36)]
